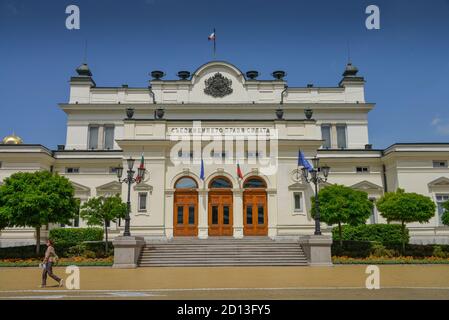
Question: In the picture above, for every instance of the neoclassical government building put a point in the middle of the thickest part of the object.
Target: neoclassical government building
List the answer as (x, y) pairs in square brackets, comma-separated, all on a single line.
[(194, 133)]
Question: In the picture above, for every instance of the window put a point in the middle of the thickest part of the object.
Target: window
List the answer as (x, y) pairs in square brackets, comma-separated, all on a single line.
[(72, 170), (0, 164), (441, 198), (220, 183), (362, 169), (185, 154), (254, 183), (93, 137), (142, 201), (109, 137), (326, 135), (253, 154), (113, 170), (341, 136), (439, 164), (297, 201), (186, 183)]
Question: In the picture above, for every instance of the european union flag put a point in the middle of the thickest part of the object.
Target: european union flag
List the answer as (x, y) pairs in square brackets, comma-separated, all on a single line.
[(302, 161), (202, 170)]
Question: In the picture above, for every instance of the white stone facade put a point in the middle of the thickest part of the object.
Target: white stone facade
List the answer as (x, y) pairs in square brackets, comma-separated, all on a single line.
[(100, 138)]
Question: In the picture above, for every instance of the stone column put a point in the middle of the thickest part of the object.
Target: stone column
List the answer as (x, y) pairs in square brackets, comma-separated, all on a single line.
[(237, 212), (168, 214), (272, 212), (203, 227)]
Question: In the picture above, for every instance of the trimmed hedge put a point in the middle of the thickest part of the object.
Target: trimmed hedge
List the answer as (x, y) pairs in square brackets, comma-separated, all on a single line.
[(24, 252), (76, 235), (382, 233), (364, 249), (92, 249)]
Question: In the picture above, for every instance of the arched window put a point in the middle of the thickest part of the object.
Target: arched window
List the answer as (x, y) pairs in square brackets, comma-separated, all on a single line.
[(186, 183), (254, 182), (220, 182)]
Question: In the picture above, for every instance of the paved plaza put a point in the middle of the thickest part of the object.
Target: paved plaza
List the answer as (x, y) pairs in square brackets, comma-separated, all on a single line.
[(338, 282)]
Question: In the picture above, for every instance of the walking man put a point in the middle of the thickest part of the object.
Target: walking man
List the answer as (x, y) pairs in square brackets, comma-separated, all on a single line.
[(49, 259)]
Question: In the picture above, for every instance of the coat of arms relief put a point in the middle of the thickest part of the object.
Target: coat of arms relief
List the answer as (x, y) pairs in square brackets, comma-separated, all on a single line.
[(218, 86)]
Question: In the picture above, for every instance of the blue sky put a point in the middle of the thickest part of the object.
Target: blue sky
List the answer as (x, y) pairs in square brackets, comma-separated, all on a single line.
[(405, 63)]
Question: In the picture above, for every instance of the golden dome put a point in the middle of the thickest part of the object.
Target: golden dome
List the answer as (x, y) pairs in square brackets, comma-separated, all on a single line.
[(12, 139)]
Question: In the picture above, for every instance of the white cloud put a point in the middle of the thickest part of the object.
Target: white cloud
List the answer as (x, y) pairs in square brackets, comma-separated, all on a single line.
[(441, 126)]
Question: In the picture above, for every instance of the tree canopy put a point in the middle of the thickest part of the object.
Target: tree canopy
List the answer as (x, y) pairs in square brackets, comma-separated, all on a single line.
[(339, 204), (100, 211), (37, 199), (404, 207)]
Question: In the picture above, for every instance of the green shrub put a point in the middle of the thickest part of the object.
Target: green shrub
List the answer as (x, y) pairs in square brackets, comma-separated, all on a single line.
[(438, 252), (89, 254), (381, 233), (76, 235), (379, 250)]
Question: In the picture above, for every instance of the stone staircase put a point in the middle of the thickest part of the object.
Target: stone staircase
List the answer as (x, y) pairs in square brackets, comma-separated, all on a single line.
[(223, 251)]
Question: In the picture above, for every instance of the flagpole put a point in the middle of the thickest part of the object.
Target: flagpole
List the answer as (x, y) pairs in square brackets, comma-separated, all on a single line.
[(215, 46)]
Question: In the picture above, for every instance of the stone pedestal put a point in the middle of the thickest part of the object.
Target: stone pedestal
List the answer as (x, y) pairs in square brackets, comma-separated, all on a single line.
[(127, 251), (317, 249)]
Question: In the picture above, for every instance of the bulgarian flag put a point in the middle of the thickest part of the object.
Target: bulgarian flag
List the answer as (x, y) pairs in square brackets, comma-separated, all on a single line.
[(142, 162), (141, 166), (239, 172), (212, 36)]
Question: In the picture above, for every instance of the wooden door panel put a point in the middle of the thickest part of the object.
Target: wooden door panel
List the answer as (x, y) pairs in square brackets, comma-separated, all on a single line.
[(255, 215), (220, 215), (185, 216)]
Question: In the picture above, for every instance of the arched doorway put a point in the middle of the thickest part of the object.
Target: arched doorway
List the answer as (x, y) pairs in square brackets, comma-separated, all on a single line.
[(255, 213), (220, 207), (185, 206)]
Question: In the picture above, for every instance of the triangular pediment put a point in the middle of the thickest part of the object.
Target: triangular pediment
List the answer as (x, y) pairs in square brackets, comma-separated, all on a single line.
[(143, 187), (366, 185), (110, 186), (80, 188), (440, 182), (297, 186)]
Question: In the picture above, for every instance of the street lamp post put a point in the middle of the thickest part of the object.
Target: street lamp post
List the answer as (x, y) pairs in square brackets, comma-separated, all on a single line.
[(316, 180), (129, 180)]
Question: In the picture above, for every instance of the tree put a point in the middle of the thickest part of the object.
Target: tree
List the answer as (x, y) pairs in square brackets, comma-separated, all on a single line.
[(37, 199), (342, 205), (445, 216), (101, 211), (405, 208)]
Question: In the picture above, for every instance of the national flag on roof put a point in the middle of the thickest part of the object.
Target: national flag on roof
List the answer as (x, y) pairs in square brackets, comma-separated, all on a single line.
[(212, 36), (302, 161)]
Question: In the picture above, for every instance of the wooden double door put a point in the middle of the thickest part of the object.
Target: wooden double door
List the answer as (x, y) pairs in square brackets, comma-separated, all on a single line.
[(220, 215), (255, 215), (185, 216)]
